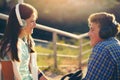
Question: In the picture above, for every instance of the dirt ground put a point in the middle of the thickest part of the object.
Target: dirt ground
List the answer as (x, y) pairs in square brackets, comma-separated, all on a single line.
[(52, 76)]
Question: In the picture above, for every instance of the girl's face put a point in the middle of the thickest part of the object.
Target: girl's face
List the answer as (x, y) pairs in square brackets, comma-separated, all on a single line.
[(30, 25), (94, 34)]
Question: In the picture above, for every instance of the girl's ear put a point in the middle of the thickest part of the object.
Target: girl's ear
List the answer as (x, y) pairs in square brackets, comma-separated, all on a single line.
[(21, 21)]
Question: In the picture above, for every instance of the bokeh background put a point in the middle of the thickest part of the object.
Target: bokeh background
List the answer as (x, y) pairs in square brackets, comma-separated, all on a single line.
[(67, 15)]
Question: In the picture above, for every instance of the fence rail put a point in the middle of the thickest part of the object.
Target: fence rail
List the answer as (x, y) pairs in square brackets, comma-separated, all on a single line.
[(55, 34)]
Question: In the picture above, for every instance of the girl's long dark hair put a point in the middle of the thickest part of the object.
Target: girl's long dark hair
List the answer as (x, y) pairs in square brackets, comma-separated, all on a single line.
[(12, 31)]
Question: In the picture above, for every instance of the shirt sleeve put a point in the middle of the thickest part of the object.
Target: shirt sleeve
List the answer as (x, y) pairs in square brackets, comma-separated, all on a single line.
[(16, 71), (100, 66)]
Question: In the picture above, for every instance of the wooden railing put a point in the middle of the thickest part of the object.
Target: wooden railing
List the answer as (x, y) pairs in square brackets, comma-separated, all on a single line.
[(55, 33)]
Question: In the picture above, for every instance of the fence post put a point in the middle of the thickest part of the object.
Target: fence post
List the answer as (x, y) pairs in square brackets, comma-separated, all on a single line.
[(55, 49), (80, 54)]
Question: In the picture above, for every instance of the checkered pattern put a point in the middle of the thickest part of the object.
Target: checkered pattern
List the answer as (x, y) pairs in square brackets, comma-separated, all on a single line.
[(104, 62)]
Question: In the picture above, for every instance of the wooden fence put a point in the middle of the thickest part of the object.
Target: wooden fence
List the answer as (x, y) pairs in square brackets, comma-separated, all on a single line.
[(55, 33)]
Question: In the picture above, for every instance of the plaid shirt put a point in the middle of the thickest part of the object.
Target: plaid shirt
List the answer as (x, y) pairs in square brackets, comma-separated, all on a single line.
[(104, 62)]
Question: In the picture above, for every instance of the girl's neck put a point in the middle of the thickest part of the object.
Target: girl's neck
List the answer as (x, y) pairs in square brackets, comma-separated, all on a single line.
[(22, 36)]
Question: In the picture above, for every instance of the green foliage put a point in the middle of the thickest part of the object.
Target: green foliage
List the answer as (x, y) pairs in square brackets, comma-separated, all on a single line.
[(49, 60), (43, 50)]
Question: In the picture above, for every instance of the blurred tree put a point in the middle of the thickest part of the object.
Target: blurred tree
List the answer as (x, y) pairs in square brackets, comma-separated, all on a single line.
[(67, 15), (6, 5), (2, 4), (118, 0)]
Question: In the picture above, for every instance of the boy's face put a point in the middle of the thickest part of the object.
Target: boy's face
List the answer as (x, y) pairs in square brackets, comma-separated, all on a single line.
[(94, 34)]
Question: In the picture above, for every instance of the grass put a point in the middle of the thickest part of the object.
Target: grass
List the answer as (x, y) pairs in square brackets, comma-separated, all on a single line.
[(49, 60)]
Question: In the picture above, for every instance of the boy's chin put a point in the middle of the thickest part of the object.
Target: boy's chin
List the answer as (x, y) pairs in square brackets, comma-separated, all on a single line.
[(32, 31)]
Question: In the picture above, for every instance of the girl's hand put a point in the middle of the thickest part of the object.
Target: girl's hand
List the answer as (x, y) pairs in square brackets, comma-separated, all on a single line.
[(43, 78)]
